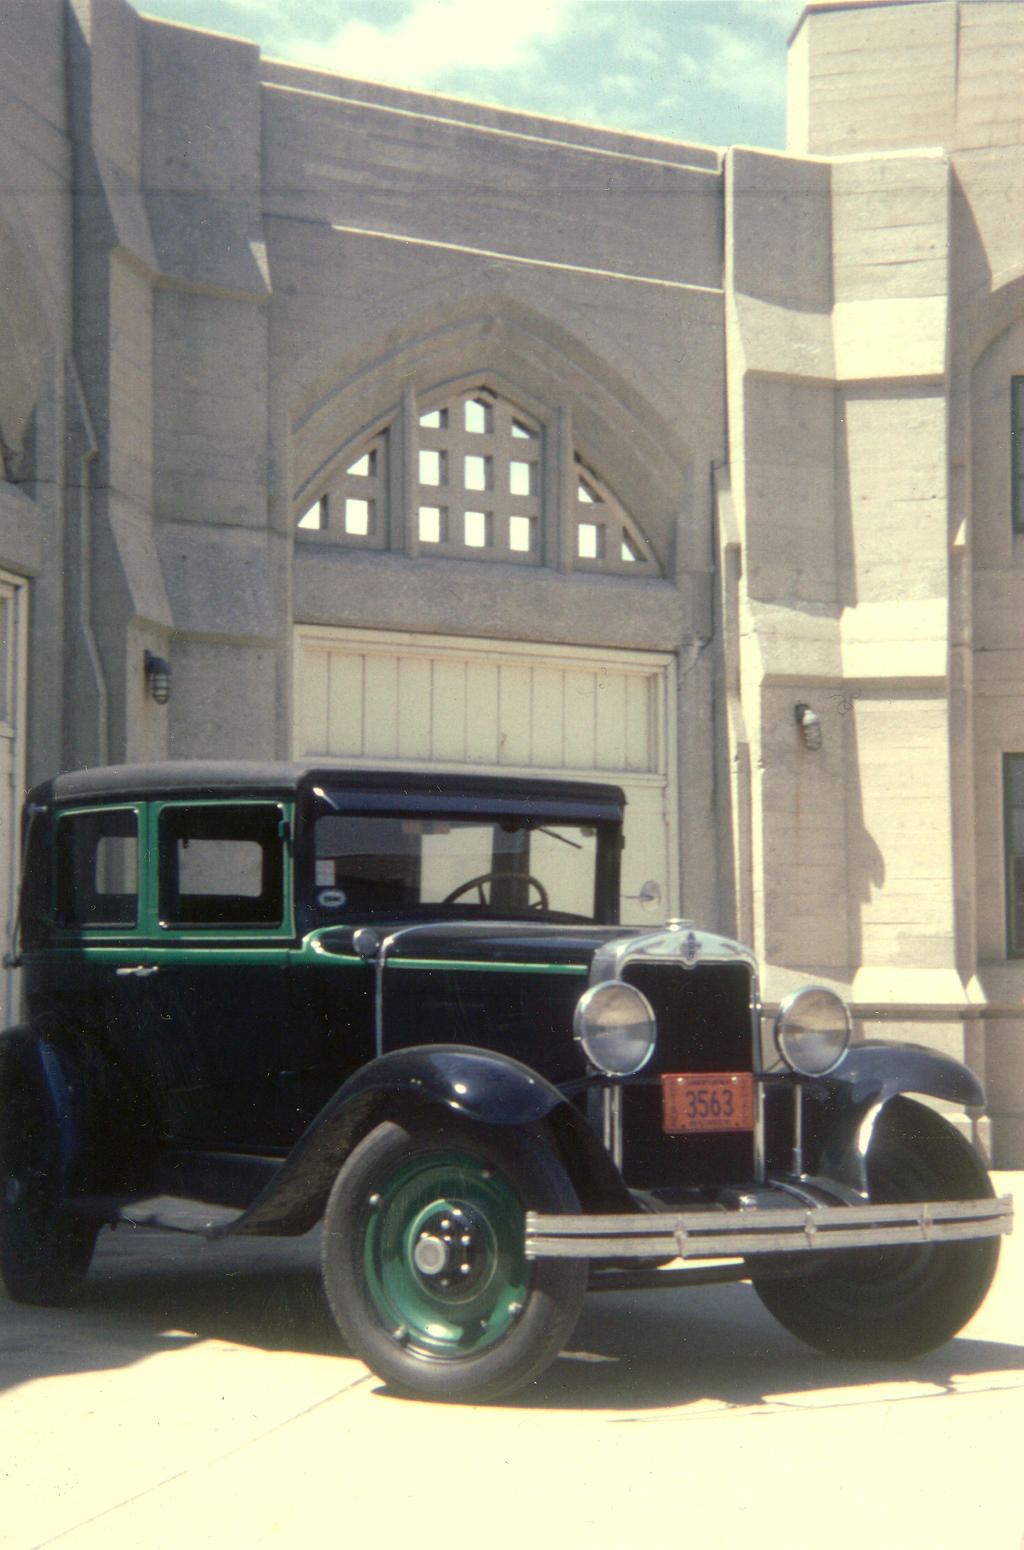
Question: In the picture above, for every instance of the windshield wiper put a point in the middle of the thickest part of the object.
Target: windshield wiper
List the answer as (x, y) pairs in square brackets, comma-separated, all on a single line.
[(553, 834)]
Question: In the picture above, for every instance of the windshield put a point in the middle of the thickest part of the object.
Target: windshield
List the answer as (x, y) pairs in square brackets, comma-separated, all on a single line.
[(383, 864)]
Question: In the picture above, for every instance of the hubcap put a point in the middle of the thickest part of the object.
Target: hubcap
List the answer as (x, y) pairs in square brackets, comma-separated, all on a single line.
[(443, 1254), (452, 1250)]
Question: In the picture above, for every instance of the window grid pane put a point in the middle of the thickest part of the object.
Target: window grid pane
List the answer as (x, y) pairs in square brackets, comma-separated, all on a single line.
[(353, 510), (358, 516), (521, 534), (315, 519), (520, 478), (433, 466), (607, 538), (490, 454), (478, 473), (433, 524), (479, 529), (478, 417), (476, 490)]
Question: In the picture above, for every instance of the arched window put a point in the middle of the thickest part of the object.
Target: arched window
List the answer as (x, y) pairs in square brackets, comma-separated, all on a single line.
[(354, 509), (478, 481)]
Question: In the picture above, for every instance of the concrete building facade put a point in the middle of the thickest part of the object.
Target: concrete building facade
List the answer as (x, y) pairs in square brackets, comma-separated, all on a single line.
[(410, 431)]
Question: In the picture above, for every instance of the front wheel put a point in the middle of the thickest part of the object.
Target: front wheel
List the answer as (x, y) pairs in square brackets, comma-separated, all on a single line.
[(424, 1266), (891, 1303)]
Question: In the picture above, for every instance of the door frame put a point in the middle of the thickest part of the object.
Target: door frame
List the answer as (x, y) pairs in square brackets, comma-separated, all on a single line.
[(662, 666), (13, 716)]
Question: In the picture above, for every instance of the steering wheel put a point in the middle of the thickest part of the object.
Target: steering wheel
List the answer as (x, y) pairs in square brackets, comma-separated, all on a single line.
[(489, 877)]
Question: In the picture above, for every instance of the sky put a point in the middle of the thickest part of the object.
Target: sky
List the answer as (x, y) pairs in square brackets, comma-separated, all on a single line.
[(711, 72)]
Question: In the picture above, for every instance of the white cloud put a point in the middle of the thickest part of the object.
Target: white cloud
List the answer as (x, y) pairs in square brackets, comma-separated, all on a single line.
[(741, 65), (437, 37)]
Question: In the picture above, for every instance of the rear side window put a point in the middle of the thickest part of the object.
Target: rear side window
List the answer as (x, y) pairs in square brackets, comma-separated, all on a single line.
[(98, 869), (222, 866)]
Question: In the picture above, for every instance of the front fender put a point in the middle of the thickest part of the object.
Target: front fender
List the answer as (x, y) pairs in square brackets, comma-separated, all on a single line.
[(871, 1074), (482, 1085), (479, 1085), (875, 1070)]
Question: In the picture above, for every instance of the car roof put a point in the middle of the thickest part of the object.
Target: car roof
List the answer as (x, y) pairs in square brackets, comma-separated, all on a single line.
[(213, 778)]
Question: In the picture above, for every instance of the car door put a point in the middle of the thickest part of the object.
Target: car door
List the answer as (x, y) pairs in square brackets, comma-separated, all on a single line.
[(212, 990)]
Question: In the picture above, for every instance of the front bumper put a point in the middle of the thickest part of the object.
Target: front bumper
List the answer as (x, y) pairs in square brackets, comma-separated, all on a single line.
[(748, 1231)]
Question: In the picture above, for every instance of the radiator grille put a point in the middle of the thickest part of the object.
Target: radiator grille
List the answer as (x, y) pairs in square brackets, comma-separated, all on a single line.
[(704, 1024)]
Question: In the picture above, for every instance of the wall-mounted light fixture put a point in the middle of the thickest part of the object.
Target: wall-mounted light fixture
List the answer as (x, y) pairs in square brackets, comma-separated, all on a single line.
[(809, 723), (158, 677)]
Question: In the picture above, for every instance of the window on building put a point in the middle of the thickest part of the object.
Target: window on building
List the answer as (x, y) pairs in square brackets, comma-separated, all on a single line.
[(477, 484), (477, 494), (1017, 452), (1013, 799), (605, 535), (353, 509)]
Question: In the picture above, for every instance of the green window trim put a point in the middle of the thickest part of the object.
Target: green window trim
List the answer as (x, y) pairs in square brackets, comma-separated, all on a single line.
[(164, 816), (97, 878), (146, 924)]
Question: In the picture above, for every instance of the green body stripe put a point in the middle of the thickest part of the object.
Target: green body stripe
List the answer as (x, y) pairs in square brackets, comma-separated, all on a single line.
[(471, 964), (267, 952)]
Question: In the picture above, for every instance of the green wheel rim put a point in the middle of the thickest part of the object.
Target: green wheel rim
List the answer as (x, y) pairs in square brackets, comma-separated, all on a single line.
[(443, 1255)]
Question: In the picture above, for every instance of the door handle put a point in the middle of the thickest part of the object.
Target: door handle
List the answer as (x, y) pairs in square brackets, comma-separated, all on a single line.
[(139, 971)]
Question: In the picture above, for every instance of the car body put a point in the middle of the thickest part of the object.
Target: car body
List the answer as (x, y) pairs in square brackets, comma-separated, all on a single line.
[(259, 997)]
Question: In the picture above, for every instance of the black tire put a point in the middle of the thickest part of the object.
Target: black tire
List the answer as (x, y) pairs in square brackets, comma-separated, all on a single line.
[(423, 1259), (45, 1251), (887, 1304)]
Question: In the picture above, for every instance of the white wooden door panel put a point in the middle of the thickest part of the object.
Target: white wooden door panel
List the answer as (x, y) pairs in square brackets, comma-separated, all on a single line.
[(369, 698)]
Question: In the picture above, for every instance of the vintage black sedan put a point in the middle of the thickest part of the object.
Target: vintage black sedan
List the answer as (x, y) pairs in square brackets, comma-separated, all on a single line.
[(261, 997)]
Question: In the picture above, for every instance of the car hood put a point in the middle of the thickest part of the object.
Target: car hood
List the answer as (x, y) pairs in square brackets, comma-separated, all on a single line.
[(540, 943), (472, 942)]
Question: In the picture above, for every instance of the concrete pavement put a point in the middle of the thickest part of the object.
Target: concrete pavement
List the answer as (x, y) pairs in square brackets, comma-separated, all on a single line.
[(199, 1397)]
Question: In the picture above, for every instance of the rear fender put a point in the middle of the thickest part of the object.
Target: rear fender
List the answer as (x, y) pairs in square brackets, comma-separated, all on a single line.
[(26, 1059), (478, 1086), (849, 1102), (104, 1131)]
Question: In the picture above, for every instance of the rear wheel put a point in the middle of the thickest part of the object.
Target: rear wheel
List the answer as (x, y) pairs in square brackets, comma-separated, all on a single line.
[(45, 1251), (424, 1265), (898, 1302)]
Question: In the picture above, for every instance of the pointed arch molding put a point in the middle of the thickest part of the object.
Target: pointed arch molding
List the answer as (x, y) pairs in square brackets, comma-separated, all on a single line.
[(994, 314), (525, 358)]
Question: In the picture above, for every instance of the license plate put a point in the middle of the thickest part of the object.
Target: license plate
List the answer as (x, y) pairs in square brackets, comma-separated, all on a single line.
[(706, 1101)]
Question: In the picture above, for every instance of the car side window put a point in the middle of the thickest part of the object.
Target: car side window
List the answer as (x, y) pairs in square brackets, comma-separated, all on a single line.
[(221, 865), (97, 869)]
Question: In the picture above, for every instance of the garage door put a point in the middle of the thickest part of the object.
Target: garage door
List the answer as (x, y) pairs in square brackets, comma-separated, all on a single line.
[(404, 702)]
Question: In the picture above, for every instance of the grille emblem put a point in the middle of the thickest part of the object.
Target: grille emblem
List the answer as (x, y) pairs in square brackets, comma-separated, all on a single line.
[(690, 949)]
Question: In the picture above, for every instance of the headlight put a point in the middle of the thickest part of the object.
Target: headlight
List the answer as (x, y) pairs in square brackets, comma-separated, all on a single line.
[(615, 1025), (812, 1030)]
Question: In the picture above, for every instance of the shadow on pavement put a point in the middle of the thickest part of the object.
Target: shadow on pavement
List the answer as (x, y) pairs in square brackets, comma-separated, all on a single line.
[(148, 1292), (719, 1345), (631, 1352)]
